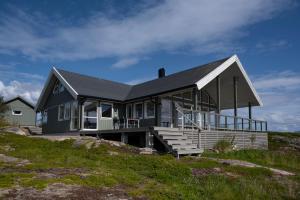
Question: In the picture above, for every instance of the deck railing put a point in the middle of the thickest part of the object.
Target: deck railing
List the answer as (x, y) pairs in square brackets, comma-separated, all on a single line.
[(129, 123), (213, 121)]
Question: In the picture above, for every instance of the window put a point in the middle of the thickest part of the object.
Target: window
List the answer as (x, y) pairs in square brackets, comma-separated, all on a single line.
[(106, 110), (17, 112), (67, 111), (138, 110), (58, 88), (149, 109), (129, 110), (45, 117), (74, 116), (90, 115), (61, 110), (61, 88)]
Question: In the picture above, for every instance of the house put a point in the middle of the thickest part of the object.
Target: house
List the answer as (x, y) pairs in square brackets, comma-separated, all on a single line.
[(20, 112), (180, 112)]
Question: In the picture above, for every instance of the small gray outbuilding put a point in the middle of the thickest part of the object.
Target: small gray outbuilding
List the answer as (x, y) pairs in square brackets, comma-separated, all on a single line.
[(20, 112)]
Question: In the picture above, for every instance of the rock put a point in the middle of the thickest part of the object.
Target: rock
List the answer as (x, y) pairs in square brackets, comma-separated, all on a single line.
[(17, 161), (146, 151), (7, 148), (15, 130), (113, 153)]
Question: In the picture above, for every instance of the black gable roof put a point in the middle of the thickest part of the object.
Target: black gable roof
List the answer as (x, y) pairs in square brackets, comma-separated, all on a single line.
[(95, 87), (174, 81), (101, 88)]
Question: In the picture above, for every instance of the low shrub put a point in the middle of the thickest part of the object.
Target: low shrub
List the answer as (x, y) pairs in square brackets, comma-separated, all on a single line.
[(223, 146)]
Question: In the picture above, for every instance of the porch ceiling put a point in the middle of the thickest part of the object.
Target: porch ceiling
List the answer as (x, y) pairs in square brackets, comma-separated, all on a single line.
[(244, 93)]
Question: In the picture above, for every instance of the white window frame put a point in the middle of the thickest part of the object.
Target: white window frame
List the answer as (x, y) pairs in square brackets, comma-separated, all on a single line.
[(134, 110), (83, 117), (58, 113), (112, 110), (13, 113), (45, 117), (145, 110), (74, 105), (67, 105)]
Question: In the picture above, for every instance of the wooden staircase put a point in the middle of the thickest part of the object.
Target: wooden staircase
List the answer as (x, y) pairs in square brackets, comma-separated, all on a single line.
[(34, 130), (176, 141)]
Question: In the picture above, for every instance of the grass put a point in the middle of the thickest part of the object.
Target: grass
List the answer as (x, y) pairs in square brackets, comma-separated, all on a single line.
[(150, 176), (274, 157)]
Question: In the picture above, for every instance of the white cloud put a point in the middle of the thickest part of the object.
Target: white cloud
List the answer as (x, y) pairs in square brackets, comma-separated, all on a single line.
[(268, 46), (27, 90), (20, 76), (202, 25), (125, 62), (280, 93)]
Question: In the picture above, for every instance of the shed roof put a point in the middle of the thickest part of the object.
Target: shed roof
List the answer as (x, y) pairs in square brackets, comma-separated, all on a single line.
[(21, 99)]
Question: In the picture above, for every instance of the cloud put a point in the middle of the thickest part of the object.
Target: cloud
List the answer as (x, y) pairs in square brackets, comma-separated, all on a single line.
[(280, 92), (202, 26), (20, 76), (125, 62), (29, 91), (268, 46)]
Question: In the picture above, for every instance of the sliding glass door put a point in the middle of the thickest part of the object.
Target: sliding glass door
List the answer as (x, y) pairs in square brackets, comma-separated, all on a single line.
[(90, 115)]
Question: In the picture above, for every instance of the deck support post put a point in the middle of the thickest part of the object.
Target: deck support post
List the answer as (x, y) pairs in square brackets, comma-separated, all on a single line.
[(124, 138), (149, 139), (235, 101), (250, 115), (218, 84)]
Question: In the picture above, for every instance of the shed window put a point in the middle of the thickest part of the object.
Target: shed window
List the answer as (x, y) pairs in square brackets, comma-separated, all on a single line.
[(61, 110), (149, 109), (17, 112), (106, 110), (138, 110)]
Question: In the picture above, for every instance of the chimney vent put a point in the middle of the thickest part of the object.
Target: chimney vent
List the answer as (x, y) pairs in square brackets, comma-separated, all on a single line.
[(161, 73)]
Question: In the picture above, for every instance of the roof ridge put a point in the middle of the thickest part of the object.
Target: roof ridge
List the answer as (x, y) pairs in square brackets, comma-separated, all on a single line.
[(189, 69), (94, 77)]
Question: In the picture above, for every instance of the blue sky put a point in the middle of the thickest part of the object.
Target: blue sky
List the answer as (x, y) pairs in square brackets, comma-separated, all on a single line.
[(127, 41)]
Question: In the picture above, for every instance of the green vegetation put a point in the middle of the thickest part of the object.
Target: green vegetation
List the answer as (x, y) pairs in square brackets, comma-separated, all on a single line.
[(223, 146), (3, 109), (150, 176)]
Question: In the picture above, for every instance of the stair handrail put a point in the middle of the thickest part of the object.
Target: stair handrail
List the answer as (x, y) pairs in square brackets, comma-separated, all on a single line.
[(180, 109)]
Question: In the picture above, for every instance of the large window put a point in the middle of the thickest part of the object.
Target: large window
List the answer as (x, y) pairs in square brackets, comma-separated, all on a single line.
[(90, 115), (138, 110), (74, 116), (67, 111), (61, 112), (129, 111), (149, 109), (106, 110)]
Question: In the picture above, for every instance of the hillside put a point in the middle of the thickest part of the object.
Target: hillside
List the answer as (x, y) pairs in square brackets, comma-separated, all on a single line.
[(35, 168)]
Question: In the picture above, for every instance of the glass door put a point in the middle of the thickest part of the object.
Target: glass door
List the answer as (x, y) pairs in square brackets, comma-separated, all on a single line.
[(90, 115)]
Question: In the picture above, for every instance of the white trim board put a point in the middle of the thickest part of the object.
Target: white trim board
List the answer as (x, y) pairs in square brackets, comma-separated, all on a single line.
[(54, 72), (216, 72)]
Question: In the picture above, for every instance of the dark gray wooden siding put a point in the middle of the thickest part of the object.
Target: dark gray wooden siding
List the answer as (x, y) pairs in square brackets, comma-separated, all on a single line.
[(53, 101)]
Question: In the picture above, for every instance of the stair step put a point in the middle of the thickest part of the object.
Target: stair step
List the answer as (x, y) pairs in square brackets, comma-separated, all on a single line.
[(165, 129), (186, 147), (174, 137), (170, 133), (189, 151), (172, 142)]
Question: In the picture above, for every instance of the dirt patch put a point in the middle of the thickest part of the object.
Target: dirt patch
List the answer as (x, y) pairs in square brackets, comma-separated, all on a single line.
[(17, 161), (249, 164), (72, 192), (212, 171), (49, 173)]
